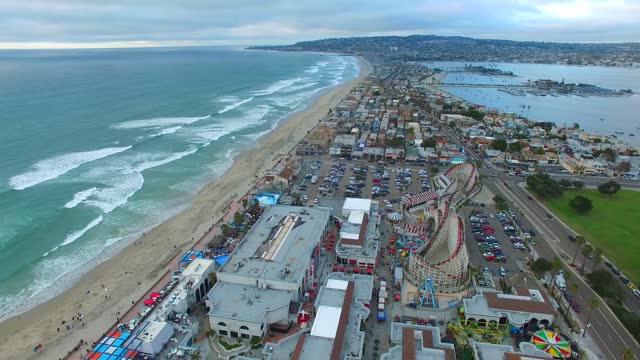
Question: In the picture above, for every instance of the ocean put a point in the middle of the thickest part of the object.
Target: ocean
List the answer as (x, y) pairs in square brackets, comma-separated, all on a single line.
[(99, 145), (602, 114)]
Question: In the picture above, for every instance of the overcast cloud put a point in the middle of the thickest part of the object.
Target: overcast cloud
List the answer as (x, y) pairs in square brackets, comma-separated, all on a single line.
[(69, 23)]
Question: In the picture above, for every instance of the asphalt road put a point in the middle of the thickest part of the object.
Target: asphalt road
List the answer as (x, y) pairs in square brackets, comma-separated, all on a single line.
[(606, 330)]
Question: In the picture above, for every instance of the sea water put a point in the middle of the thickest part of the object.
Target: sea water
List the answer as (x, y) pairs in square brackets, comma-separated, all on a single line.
[(596, 113), (98, 145)]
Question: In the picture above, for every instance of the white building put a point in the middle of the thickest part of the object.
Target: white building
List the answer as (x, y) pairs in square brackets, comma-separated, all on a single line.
[(518, 309), (154, 336), (272, 267)]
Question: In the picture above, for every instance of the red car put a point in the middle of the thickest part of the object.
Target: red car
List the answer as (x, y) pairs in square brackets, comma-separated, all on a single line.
[(487, 227), (489, 256)]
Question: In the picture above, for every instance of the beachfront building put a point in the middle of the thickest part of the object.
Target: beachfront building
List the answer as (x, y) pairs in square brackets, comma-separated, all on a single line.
[(341, 307), (195, 279), (359, 243), (523, 307), (411, 342), (269, 274)]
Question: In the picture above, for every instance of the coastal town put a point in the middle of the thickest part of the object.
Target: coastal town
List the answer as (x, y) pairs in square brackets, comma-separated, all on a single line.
[(395, 229)]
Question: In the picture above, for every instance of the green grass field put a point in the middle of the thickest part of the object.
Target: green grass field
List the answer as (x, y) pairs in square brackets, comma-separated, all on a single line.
[(613, 225)]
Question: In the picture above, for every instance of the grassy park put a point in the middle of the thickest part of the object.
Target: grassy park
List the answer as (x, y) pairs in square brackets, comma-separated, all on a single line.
[(613, 225)]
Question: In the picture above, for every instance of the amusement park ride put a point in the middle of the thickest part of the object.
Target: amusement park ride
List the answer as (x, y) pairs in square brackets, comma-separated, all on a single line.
[(428, 294)]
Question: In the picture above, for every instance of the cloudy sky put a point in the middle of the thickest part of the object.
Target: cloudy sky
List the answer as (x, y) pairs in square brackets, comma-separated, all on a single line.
[(107, 23)]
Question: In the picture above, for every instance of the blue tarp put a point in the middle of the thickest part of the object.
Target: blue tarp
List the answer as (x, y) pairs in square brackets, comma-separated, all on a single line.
[(220, 260)]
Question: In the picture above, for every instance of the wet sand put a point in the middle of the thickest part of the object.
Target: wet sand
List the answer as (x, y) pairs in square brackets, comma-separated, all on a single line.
[(111, 287)]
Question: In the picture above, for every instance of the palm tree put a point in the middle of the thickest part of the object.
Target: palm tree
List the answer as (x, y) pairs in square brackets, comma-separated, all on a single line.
[(627, 354), (593, 304), (245, 202), (586, 251), (598, 258), (580, 240), (556, 265), (195, 355)]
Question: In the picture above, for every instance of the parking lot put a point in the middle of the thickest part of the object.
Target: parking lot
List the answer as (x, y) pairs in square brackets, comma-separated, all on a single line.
[(327, 179), (494, 242)]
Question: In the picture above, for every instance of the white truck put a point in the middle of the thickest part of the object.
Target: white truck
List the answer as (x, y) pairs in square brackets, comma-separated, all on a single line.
[(314, 179)]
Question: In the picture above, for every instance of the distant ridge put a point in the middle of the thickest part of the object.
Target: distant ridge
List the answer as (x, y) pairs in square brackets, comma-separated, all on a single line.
[(460, 48)]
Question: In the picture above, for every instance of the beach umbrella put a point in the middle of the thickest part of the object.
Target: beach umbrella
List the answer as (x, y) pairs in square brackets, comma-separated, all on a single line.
[(551, 343), (342, 268), (369, 271), (148, 301), (392, 240), (335, 267), (155, 294), (355, 269)]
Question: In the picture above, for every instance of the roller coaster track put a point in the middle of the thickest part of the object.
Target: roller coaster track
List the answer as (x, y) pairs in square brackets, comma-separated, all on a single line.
[(449, 271)]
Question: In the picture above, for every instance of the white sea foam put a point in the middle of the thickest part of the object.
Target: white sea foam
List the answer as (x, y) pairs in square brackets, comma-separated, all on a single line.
[(300, 87), (112, 241), (57, 166), (168, 131), (234, 105), (79, 197), (78, 234), (277, 86), (123, 182), (312, 70), (207, 134), (158, 122)]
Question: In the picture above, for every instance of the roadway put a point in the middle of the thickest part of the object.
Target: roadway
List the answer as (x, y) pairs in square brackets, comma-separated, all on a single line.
[(605, 330)]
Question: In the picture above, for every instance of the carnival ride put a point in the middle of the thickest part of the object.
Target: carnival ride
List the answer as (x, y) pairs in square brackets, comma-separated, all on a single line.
[(552, 343), (443, 257), (428, 293)]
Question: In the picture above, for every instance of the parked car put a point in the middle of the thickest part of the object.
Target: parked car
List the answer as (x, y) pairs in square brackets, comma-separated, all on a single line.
[(575, 306)]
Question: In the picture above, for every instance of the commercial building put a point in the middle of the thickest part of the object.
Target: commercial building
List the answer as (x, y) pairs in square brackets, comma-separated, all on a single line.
[(269, 274), (417, 342), (359, 243), (488, 351), (526, 305), (340, 308)]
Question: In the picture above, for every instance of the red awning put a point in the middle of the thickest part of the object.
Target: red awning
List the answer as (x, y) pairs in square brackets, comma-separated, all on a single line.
[(154, 294), (148, 301), (352, 261)]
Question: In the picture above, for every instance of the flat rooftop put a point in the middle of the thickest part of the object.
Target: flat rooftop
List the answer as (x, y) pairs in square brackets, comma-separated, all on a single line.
[(197, 267), (246, 303), (279, 245), (336, 327), (519, 307)]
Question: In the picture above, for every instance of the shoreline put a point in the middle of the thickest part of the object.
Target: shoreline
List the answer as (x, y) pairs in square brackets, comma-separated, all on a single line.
[(113, 285)]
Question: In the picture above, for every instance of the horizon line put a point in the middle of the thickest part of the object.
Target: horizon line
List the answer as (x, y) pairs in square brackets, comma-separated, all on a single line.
[(53, 45)]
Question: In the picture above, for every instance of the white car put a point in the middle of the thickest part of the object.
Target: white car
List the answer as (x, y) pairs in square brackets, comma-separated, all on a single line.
[(636, 292)]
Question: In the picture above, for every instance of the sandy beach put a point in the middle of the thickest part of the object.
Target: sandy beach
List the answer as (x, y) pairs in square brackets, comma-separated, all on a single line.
[(111, 287)]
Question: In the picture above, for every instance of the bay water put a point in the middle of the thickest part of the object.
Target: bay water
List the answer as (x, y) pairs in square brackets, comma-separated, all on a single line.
[(605, 115)]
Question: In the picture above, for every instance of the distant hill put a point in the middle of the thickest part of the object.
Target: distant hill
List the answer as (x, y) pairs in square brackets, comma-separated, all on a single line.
[(459, 48)]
